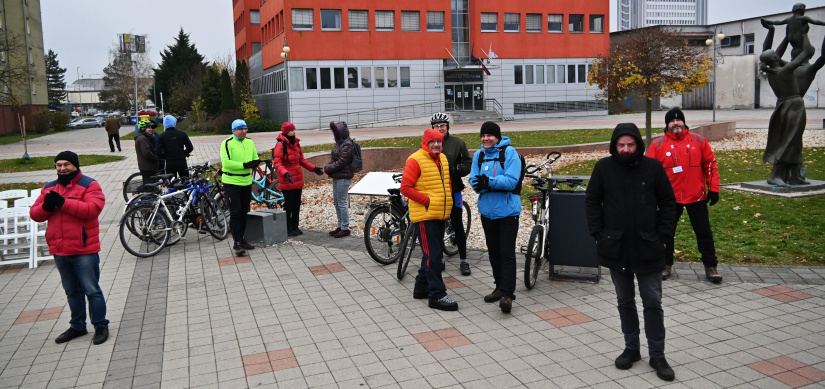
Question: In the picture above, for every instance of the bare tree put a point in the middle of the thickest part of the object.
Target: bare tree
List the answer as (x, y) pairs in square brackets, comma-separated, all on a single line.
[(119, 79), (15, 70)]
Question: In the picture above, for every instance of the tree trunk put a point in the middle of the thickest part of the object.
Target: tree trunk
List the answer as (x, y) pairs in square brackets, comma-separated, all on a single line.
[(648, 109)]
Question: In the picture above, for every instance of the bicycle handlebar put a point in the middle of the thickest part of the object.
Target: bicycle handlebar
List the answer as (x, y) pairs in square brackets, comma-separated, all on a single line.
[(552, 156)]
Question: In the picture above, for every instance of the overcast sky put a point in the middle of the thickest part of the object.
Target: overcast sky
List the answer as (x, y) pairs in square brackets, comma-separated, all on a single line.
[(81, 32)]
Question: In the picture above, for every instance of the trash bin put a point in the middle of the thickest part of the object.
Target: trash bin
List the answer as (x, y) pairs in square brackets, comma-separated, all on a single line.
[(570, 240)]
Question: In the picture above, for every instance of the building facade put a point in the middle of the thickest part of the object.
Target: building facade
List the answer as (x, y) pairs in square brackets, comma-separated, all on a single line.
[(364, 61), (643, 13), (247, 25), (21, 47)]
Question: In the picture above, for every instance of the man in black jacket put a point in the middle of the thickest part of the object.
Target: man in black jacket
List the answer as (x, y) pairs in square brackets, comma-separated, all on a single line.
[(630, 210), (459, 159), (174, 146)]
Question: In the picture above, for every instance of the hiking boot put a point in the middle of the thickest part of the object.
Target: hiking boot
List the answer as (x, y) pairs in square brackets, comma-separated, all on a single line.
[(70, 334), (663, 370), (506, 304), (420, 294), (239, 251), (465, 268), (245, 245), (493, 297), (625, 361), (298, 231), (101, 334), (712, 274), (335, 231), (666, 272), (291, 233), (341, 234), (445, 303)]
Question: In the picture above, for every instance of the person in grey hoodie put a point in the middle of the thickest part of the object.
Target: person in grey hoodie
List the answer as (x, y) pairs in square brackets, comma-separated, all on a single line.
[(339, 170)]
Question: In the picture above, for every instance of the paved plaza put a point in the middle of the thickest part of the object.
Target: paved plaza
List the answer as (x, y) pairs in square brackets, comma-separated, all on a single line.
[(318, 312)]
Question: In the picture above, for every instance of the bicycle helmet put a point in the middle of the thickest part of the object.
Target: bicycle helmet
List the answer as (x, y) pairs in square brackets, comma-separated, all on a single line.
[(143, 124), (440, 117)]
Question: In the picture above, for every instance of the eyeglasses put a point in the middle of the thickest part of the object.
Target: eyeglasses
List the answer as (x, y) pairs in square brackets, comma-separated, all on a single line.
[(442, 125)]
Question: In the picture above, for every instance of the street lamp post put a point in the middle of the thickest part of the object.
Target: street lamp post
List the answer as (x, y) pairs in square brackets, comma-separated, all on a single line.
[(284, 55), (80, 91), (716, 60)]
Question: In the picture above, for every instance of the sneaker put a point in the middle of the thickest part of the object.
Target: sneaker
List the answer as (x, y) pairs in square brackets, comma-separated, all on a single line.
[(341, 234), (291, 233), (239, 251), (101, 334), (70, 334), (420, 294), (298, 231), (663, 370), (245, 245), (506, 304), (445, 303), (335, 231), (713, 275), (666, 273), (465, 268), (625, 361), (493, 297)]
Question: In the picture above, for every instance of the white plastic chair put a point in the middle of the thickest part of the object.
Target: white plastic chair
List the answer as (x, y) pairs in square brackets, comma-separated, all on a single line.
[(25, 202), (13, 194), (15, 236), (36, 193)]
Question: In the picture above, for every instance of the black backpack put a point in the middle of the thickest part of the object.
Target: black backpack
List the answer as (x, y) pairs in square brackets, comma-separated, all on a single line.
[(500, 159), (357, 163)]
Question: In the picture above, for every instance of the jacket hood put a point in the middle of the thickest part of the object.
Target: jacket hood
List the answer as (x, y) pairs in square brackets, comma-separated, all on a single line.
[(169, 121), (627, 129), (430, 135), (339, 130), (505, 141)]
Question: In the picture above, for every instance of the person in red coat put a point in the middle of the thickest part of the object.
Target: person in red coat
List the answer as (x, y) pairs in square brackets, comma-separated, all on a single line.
[(71, 204), (287, 159)]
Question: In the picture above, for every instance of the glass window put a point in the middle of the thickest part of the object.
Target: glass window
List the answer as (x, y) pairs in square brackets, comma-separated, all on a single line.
[(511, 22), (533, 23), (384, 20), (518, 75), (582, 74), (392, 77), (352, 77), (338, 74), (489, 21), (571, 74), (405, 76), (331, 19), (435, 20), (379, 77), (576, 23), (528, 74), (312, 78), (560, 74), (296, 77), (301, 19), (358, 20), (551, 74), (554, 22), (410, 21), (539, 74), (596, 23), (326, 78), (366, 77), (254, 16)]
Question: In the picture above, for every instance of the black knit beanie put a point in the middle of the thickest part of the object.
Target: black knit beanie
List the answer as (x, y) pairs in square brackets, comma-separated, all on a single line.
[(492, 129), (68, 156), (674, 113)]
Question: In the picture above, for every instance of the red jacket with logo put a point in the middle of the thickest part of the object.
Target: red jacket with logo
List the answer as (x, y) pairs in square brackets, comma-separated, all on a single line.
[(290, 163), (73, 229), (690, 164)]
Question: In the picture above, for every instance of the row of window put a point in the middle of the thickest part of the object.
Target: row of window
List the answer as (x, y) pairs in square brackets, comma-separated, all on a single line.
[(533, 22), (671, 14), (670, 6), (655, 22), (358, 20), (550, 74), (314, 78)]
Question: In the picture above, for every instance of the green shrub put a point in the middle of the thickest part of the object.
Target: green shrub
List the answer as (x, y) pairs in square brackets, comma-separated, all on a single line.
[(41, 121), (264, 125), (60, 121), (223, 122), (205, 127)]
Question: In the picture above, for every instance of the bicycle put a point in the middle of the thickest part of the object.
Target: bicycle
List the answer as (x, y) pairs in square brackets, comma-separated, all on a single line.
[(134, 184), (265, 188), (385, 226)]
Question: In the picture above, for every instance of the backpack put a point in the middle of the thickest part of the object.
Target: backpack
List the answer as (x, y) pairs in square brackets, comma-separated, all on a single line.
[(300, 149), (357, 163), (500, 159)]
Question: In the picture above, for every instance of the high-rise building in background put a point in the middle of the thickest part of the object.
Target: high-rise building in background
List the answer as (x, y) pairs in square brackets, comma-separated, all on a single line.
[(642, 13)]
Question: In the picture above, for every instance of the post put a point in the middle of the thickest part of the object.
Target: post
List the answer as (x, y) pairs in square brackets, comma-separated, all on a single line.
[(715, 45), (134, 70)]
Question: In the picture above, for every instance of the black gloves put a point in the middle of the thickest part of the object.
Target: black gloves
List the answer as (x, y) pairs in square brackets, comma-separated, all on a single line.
[(481, 182), (252, 163), (289, 178), (713, 197), (318, 171), (52, 200)]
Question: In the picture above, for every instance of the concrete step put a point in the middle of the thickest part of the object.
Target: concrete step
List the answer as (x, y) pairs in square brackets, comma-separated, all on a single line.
[(475, 116)]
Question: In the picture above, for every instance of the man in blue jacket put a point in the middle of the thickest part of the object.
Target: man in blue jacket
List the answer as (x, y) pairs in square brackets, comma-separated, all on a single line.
[(496, 170)]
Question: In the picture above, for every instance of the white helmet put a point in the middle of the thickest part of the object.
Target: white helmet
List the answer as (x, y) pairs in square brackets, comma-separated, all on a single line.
[(440, 117)]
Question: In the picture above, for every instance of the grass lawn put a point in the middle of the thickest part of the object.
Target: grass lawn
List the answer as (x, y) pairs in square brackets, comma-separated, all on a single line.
[(749, 228), (8, 139), (47, 163)]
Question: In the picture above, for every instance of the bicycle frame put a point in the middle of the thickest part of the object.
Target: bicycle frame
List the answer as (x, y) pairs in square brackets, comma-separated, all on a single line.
[(192, 189), (263, 185)]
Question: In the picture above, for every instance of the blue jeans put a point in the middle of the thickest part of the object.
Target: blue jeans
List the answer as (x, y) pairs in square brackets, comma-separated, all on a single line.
[(80, 275), (340, 188), (650, 290)]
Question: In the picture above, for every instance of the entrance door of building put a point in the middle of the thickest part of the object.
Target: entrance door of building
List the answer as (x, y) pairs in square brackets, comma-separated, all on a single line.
[(466, 97)]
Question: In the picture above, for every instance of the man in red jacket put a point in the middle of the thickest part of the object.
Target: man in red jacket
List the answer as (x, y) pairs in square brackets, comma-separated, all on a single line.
[(71, 204), (691, 167)]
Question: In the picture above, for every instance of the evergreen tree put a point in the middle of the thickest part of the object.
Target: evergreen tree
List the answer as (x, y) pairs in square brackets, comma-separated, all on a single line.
[(178, 62), (211, 91), (55, 79), (118, 83), (243, 93), (226, 92)]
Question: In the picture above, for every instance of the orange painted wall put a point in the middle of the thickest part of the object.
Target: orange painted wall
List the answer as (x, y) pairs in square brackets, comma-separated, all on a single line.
[(248, 33)]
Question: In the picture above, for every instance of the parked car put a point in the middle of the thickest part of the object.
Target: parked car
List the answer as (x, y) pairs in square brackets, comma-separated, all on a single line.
[(85, 123)]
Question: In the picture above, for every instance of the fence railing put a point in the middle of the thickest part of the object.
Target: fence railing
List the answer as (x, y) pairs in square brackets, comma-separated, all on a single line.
[(354, 119)]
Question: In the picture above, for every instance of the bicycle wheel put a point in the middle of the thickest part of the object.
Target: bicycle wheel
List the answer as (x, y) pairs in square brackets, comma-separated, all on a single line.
[(131, 186), (383, 236), (142, 234), (273, 196), (450, 245), (213, 217), (533, 260), (221, 201), (406, 251)]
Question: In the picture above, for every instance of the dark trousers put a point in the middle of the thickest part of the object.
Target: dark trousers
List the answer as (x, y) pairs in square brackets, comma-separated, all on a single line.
[(239, 199), (460, 234), (177, 167), (112, 139), (430, 234), (698, 213), (650, 290), (292, 207), (147, 174), (501, 247)]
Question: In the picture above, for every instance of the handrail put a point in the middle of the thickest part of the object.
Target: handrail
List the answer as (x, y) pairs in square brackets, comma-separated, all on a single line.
[(382, 114), (494, 105)]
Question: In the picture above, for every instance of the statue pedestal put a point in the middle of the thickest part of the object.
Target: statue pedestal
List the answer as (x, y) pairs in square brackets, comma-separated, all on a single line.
[(813, 189)]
